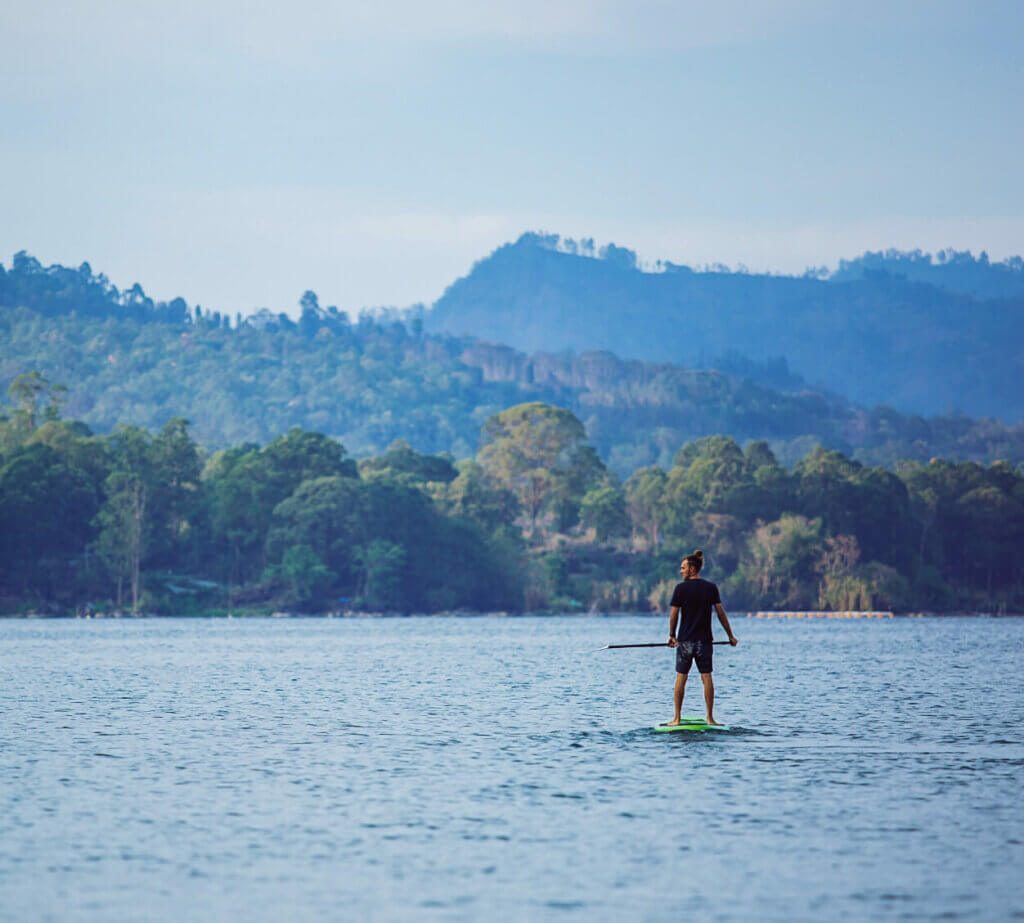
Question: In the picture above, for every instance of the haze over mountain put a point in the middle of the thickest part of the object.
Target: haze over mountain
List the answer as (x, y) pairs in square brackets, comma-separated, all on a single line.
[(921, 334)]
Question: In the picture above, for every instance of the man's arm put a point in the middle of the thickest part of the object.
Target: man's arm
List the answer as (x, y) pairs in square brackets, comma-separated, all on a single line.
[(673, 621), (724, 619)]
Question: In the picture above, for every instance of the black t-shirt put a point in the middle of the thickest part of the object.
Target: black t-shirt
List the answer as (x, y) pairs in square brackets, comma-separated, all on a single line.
[(695, 598)]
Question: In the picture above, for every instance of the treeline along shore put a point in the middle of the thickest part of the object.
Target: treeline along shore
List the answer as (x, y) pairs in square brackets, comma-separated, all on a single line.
[(139, 521)]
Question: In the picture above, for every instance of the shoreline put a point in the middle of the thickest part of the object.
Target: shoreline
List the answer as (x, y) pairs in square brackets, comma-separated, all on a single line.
[(457, 613)]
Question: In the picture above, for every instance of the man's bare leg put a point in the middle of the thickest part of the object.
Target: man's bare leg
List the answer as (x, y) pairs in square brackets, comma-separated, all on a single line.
[(709, 696), (677, 699)]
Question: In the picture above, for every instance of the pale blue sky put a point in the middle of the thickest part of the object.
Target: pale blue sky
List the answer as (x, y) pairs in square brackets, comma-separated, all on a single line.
[(237, 153)]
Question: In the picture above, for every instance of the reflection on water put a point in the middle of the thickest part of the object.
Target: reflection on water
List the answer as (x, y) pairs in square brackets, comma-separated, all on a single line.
[(467, 768)]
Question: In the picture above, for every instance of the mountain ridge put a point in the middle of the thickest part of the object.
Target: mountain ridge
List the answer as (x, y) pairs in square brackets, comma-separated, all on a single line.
[(876, 339)]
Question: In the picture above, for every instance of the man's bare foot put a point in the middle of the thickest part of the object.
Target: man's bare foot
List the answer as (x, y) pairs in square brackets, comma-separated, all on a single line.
[(675, 722), (711, 721)]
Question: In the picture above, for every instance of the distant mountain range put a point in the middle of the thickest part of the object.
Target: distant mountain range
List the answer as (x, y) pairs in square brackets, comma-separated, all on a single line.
[(918, 333)]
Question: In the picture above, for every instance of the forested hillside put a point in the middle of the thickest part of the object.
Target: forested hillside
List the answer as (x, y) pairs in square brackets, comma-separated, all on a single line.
[(903, 330), (146, 521), (126, 359)]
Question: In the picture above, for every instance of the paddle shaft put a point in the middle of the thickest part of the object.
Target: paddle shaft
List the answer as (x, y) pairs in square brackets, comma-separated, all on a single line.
[(612, 647)]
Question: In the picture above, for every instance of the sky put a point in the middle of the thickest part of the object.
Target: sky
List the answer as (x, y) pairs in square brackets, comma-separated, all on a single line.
[(238, 153)]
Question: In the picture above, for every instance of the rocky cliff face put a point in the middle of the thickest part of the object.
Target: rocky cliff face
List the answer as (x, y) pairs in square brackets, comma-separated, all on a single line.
[(600, 377), (597, 370), (498, 363)]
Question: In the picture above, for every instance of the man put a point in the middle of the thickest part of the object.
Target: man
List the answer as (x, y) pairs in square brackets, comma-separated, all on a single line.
[(694, 598)]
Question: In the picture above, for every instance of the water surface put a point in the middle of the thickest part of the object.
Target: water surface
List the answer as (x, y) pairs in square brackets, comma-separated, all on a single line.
[(465, 769)]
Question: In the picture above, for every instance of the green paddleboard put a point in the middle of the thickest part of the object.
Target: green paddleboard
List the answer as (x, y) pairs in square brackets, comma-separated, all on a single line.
[(689, 724)]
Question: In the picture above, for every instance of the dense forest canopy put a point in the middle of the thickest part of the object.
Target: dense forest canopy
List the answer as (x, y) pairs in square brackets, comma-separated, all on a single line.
[(906, 330), (148, 521), (126, 359)]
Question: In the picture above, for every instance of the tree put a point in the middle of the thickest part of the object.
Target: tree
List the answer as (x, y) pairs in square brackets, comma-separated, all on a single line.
[(882, 518), (125, 517), (991, 541), (538, 452), (645, 502), (174, 500), (845, 593), (710, 468), (924, 500), (477, 497), (766, 492), (247, 484), (402, 462), (382, 564), (721, 536), (780, 560), (841, 588), (704, 477), (299, 455), (603, 509), (889, 589), (328, 516), (826, 488), (34, 395), (305, 574), (241, 499), (75, 443), (758, 454)]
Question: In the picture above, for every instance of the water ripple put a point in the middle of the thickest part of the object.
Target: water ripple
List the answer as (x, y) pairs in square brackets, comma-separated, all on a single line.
[(461, 769)]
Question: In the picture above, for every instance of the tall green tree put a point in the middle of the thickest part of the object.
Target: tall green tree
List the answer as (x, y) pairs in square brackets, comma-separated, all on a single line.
[(705, 477), (646, 504), (126, 516), (538, 452), (18, 422), (35, 399), (175, 503), (240, 501)]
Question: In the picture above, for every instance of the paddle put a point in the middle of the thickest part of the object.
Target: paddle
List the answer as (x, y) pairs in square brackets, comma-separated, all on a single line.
[(614, 647)]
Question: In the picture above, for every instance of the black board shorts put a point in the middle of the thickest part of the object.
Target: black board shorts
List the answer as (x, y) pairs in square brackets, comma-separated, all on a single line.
[(689, 651)]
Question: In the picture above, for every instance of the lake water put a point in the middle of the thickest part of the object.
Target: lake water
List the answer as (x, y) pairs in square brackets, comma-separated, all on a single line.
[(476, 769)]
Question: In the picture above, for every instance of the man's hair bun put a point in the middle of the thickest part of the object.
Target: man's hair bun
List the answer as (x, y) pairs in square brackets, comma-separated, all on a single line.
[(696, 560)]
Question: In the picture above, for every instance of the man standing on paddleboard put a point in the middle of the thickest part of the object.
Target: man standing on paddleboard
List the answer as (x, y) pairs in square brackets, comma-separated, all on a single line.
[(691, 634)]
